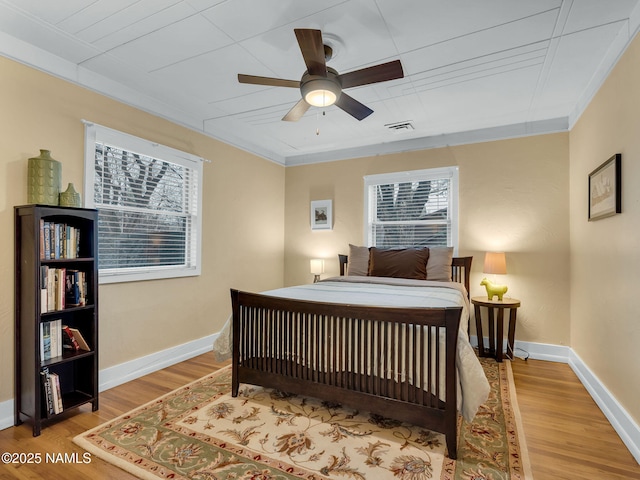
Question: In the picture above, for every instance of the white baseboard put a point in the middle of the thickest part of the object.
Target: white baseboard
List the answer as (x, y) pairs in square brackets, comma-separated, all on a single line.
[(6, 414), (543, 351), (624, 425), (621, 421), (536, 351), (125, 372)]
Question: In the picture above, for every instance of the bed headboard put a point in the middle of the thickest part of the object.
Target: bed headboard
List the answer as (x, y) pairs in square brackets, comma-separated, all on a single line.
[(460, 269)]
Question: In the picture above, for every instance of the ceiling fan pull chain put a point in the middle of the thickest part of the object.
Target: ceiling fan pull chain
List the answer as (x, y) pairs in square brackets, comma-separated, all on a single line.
[(318, 121)]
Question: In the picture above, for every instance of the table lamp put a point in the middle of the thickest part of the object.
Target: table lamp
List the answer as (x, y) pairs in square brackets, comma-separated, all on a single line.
[(317, 268), (495, 263)]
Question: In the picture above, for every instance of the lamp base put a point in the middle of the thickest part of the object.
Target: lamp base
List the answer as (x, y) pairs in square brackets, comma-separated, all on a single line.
[(316, 278)]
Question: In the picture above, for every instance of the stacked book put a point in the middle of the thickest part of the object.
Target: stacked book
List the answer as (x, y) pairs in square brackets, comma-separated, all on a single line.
[(52, 393), (58, 240)]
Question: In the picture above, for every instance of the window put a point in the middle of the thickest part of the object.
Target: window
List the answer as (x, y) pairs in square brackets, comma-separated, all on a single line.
[(149, 201), (412, 209)]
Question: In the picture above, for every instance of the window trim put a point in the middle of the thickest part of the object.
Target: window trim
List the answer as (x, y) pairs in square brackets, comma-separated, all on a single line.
[(414, 176), (95, 132)]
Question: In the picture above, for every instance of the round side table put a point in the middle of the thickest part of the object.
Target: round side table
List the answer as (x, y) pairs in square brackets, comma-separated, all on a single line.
[(496, 334)]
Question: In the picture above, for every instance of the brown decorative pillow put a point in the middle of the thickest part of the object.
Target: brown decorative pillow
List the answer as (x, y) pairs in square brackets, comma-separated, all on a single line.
[(439, 264), (404, 263), (358, 262)]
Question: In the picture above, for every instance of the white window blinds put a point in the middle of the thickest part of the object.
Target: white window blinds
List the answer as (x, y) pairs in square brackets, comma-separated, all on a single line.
[(412, 209), (148, 198)]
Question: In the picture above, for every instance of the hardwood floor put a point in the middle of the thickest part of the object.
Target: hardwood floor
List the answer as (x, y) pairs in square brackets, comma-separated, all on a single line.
[(567, 435), (56, 438)]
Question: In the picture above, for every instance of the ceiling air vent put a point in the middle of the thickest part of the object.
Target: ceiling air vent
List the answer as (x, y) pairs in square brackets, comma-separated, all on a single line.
[(400, 127)]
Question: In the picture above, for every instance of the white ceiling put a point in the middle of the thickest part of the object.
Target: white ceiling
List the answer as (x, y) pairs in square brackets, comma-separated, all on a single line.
[(474, 70)]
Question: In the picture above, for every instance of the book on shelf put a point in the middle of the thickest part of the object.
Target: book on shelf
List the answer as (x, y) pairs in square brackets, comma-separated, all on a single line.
[(56, 240), (54, 339), (44, 292), (48, 393), (42, 256), (51, 340), (44, 303), (57, 331), (45, 341), (69, 341), (54, 380), (59, 287), (46, 239), (82, 343), (51, 288)]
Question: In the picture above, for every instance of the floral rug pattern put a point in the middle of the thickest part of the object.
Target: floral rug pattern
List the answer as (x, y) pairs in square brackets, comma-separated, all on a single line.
[(200, 432)]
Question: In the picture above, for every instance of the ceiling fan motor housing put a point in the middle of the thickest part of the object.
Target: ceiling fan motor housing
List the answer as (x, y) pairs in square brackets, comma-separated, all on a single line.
[(317, 83)]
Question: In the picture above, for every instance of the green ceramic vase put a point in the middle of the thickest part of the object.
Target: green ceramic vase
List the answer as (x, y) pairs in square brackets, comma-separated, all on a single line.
[(44, 179), (70, 198)]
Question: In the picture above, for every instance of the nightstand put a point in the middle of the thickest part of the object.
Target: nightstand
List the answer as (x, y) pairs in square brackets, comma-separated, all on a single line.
[(496, 334)]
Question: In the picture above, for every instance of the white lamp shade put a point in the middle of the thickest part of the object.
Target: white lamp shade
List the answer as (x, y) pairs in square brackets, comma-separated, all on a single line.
[(317, 266), (495, 263)]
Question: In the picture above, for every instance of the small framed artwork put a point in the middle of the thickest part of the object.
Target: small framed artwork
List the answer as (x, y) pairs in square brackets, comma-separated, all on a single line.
[(321, 215), (605, 198)]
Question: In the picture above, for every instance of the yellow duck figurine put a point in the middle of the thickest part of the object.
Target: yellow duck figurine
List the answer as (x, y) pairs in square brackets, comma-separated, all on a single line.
[(494, 289)]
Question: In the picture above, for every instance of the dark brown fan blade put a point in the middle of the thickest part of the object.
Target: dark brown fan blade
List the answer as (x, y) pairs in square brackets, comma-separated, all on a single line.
[(296, 113), (270, 81), (312, 49), (353, 107), (375, 74)]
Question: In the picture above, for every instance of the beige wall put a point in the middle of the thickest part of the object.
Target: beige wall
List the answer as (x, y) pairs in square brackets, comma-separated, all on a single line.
[(243, 217), (513, 197), (605, 254)]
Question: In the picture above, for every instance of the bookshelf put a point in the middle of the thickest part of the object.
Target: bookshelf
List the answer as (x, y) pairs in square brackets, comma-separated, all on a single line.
[(56, 285)]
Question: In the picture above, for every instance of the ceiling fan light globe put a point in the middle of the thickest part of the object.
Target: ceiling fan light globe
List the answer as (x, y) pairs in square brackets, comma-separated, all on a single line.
[(320, 98), (320, 92)]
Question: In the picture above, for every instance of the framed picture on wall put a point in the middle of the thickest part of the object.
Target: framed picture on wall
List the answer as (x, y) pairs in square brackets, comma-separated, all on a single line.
[(321, 218), (605, 198)]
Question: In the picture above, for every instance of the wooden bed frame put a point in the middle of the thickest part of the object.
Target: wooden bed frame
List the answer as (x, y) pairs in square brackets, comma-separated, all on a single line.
[(331, 351)]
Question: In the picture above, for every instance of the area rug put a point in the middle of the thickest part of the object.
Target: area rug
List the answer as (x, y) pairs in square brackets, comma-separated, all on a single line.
[(200, 432)]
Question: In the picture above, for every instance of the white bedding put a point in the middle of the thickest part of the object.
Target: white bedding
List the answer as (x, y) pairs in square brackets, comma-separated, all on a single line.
[(395, 292)]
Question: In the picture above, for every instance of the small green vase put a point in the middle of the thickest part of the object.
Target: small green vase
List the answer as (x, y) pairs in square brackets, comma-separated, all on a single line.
[(70, 198), (44, 179)]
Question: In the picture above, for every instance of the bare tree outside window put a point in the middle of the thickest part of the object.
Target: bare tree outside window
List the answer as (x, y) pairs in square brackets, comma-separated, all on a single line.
[(141, 221)]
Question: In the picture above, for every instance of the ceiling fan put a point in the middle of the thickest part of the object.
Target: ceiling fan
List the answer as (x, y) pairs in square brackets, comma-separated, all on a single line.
[(322, 86)]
